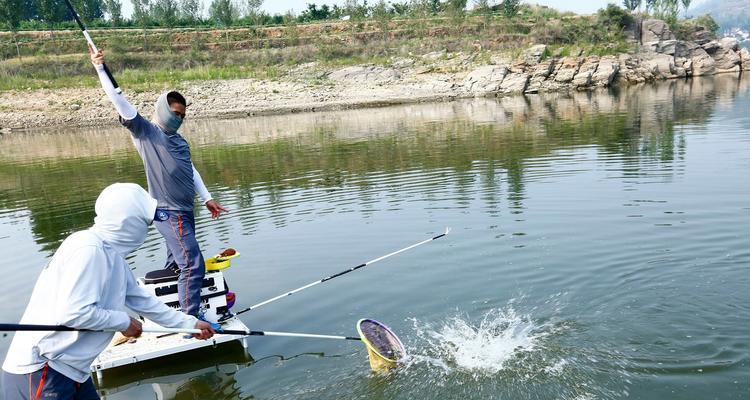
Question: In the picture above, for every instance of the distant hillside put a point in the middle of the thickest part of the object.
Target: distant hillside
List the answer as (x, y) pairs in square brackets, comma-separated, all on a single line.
[(728, 13)]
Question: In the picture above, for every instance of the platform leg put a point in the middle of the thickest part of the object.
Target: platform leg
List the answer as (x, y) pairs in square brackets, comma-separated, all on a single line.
[(244, 342), (98, 375)]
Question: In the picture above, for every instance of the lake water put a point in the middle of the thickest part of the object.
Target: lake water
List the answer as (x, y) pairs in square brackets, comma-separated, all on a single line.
[(599, 245)]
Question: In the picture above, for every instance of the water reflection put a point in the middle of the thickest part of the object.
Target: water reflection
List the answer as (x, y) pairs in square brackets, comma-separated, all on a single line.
[(261, 162), (201, 374)]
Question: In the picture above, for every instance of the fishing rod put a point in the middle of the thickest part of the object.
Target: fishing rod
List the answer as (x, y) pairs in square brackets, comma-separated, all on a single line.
[(159, 329), (328, 278), (91, 43)]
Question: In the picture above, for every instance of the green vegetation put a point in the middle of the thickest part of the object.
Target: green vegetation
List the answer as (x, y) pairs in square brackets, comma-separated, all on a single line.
[(171, 43)]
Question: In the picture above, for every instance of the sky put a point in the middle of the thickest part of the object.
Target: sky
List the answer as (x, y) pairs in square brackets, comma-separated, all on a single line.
[(282, 6)]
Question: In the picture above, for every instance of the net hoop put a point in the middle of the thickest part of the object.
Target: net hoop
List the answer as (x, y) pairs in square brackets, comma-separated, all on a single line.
[(378, 361)]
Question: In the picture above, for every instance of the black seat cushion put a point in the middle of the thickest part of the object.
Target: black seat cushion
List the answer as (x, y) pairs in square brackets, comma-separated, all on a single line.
[(161, 276)]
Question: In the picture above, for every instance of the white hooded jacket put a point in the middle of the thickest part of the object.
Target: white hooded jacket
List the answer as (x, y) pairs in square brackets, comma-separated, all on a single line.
[(89, 285)]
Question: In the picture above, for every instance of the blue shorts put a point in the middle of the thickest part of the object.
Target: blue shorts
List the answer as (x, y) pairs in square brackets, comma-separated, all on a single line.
[(53, 385)]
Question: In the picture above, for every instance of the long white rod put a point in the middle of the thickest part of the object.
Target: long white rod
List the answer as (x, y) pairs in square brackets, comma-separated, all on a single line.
[(311, 284)]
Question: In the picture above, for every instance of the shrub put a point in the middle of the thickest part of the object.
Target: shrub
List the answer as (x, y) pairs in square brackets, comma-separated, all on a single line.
[(615, 17), (708, 22)]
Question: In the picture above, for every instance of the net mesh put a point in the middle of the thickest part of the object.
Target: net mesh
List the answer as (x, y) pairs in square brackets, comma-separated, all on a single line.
[(382, 339)]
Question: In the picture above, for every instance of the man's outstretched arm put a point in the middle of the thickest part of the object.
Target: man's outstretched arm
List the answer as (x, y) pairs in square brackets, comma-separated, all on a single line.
[(123, 107)]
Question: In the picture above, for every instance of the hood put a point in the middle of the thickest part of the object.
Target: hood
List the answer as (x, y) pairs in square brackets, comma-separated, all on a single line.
[(123, 213), (164, 117)]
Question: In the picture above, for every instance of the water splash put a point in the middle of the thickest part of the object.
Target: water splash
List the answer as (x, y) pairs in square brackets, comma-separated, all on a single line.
[(507, 353), (485, 348)]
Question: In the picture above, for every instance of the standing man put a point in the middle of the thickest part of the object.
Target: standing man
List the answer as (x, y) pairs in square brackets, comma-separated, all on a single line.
[(87, 285), (172, 180)]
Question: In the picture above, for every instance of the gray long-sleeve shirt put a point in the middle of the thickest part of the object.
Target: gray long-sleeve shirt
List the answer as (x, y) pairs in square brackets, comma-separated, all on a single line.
[(166, 158)]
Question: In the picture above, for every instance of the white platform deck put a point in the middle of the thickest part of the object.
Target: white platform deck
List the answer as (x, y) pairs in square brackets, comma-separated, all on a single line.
[(154, 345)]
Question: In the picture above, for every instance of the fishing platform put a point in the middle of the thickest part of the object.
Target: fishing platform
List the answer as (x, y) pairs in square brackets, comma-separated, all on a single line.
[(216, 303)]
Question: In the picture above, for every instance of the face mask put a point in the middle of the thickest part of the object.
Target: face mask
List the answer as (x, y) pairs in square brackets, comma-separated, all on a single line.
[(164, 116)]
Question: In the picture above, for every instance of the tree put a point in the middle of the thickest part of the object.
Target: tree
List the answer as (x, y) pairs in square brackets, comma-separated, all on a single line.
[(686, 4), (290, 28), (11, 12), (190, 11), (89, 10), (165, 12), (614, 16), (114, 9), (664, 9), (223, 12), (356, 11), (51, 12), (484, 8), (457, 11), (141, 11), (313, 13), (252, 9), (401, 9), (511, 7), (631, 4), (382, 16)]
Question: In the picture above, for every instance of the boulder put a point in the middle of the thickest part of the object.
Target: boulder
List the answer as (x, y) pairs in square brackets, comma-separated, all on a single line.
[(711, 47), (485, 79), (725, 58), (668, 47), (654, 30), (730, 43), (606, 71), (568, 69), (685, 49), (661, 65), (701, 36), (534, 54), (582, 78), (702, 63), (662, 46), (540, 74), (745, 57), (514, 83), (435, 55), (365, 74)]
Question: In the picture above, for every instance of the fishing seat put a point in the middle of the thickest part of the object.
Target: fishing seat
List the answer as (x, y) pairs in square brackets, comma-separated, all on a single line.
[(161, 276)]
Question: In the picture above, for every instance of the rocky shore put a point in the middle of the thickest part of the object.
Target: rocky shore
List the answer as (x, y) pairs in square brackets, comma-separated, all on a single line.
[(435, 76)]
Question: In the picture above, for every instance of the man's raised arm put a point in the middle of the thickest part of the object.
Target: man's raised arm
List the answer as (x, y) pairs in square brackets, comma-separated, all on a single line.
[(123, 107)]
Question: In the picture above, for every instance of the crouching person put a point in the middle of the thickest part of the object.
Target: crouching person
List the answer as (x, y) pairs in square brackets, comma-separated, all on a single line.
[(87, 285)]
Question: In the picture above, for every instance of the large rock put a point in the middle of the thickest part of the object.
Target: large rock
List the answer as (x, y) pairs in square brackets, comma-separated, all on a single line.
[(685, 49), (661, 65), (726, 58), (514, 83), (701, 36), (540, 74), (702, 63), (583, 77), (365, 74), (711, 47), (534, 54), (654, 30), (730, 43), (606, 71), (745, 57), (485, 79), (568, 69)]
